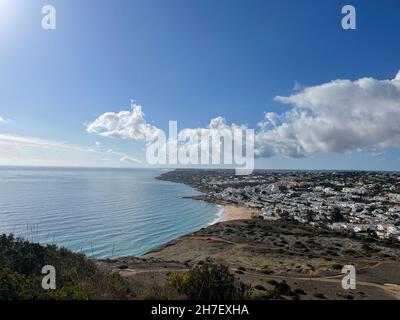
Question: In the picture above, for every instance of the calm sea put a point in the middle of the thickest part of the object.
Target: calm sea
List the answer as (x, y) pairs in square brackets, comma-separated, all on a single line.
[(103, 213)]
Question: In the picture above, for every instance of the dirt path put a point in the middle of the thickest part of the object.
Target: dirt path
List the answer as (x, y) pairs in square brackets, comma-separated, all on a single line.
[(390, 288)]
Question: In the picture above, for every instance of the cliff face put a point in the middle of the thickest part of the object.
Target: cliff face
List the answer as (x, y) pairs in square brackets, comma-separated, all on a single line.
[(263, 253)]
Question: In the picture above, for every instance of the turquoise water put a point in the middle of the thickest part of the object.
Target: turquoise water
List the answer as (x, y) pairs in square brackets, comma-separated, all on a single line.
[(104, 213)]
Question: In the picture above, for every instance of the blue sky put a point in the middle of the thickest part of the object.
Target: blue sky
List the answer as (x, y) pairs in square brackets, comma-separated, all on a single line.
[(189, 61)]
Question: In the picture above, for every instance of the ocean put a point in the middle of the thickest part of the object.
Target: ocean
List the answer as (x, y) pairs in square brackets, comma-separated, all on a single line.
[(104, 213)]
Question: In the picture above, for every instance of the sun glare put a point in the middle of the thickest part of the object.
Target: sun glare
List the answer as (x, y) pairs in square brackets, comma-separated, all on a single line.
[(9, 18), (4, 3)]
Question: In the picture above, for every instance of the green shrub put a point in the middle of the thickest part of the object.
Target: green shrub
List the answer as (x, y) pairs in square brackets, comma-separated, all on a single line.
[(77, 277), (14, 286), (209, 282), (178, 280), (281, 288), (269, 295)]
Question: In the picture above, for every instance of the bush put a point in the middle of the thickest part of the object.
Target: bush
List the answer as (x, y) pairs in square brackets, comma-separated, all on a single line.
[(281, 288), (77, 277), (14, 286), (178, 280), (209, 282), (300, 292), (269, 295)]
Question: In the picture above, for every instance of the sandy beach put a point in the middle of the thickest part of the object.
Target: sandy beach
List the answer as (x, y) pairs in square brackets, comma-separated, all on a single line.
[(233, 212)]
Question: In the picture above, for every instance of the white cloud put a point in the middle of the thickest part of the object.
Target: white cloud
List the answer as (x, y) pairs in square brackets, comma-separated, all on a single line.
[(125, 125), (130, 160), (132, 125), (339, 116), (19, 150), (124, 157), (20, 141)]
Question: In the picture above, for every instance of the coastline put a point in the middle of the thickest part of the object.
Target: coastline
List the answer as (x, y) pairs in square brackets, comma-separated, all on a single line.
[(232, 212), (238, 212), (229, 211), (262, 253)]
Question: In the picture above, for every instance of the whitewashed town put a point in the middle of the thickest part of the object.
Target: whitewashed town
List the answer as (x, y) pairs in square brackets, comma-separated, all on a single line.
[(356, 202)]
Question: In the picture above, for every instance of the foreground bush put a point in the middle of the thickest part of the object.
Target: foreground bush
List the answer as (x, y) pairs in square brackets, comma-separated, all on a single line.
[(209, 282), (77, 277)]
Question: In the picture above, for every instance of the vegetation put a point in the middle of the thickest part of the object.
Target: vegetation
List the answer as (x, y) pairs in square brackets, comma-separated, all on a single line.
[(280, 289), (209, 282), (77, 277)]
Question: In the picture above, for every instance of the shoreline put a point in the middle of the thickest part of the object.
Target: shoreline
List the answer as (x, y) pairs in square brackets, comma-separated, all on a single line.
[(231, 211), (234, 212)]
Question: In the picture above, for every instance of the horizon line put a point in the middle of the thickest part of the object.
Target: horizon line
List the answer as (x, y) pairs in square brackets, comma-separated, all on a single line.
[(2, 166)]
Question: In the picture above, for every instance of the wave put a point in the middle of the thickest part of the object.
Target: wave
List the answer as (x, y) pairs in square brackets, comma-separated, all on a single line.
[(219, 215)]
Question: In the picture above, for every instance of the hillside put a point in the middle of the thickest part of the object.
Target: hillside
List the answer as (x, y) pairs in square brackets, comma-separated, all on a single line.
[(266, 254), (77, 277), (278, 260)]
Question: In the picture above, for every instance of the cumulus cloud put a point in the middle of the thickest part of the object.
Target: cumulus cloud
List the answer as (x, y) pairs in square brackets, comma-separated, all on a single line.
[(125, 124), (218, 142), (339, 116), (133, 125)]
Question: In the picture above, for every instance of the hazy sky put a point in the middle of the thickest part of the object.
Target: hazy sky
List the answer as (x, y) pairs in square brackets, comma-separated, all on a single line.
[(270, 65)]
